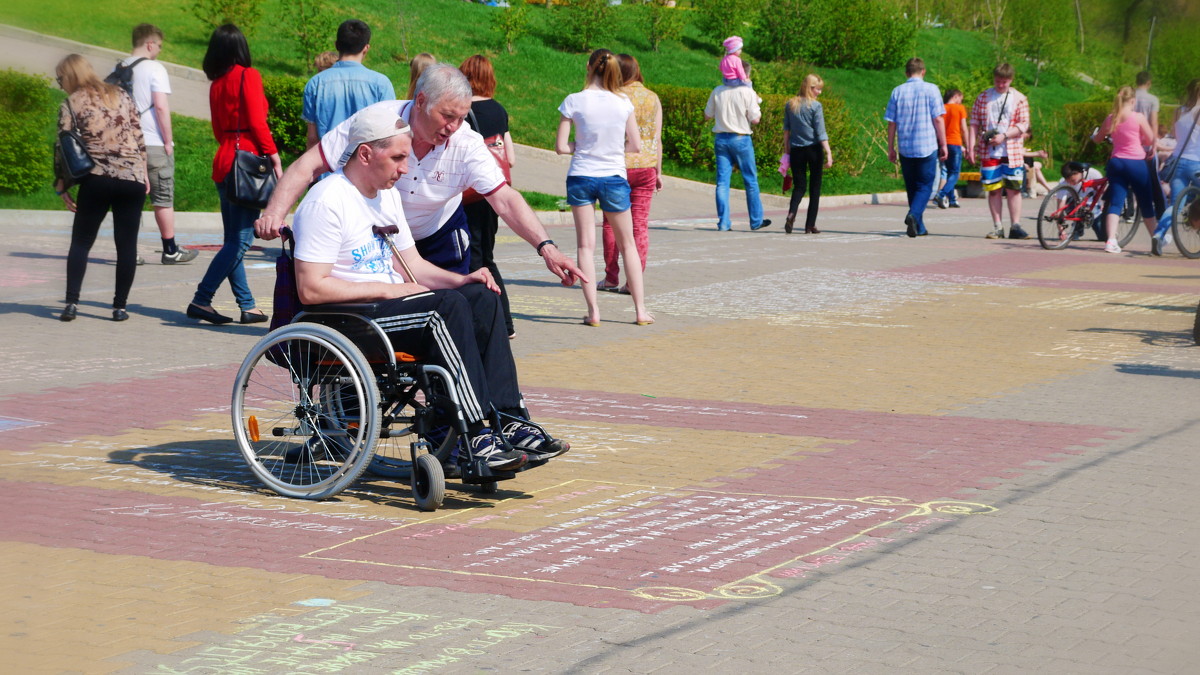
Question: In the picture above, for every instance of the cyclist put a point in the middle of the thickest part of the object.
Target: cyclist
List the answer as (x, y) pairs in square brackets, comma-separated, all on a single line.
[(1127, 169)]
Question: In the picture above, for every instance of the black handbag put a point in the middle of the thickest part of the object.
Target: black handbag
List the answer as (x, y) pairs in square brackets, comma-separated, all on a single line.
[(251, 180), (76, 162)]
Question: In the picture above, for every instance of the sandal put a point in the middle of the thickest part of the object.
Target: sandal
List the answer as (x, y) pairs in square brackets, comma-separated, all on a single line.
[(607, 288)]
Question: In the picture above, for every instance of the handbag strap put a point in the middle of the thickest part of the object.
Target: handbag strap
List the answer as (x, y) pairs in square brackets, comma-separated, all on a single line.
[(74, 122)]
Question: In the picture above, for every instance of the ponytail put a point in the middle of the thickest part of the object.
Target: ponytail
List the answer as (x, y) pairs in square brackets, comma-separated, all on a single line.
[(605, 70), (1125, 96)]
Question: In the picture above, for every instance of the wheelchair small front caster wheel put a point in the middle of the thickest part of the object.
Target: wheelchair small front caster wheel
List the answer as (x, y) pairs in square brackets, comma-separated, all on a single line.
[(428, 483)]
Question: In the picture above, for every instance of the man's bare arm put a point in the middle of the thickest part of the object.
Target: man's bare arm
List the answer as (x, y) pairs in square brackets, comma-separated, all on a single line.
[(511, 207), (317, 286), (299, 175), (162, 113)]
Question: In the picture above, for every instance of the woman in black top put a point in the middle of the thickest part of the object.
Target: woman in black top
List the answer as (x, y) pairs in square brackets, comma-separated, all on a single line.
[(490, 120)]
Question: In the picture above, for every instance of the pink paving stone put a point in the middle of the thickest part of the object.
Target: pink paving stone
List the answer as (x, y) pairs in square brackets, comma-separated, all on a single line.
[(1011, 262)]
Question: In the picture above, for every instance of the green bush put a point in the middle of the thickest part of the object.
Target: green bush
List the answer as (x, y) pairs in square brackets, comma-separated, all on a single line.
[(285, 104), (312, 26), (662, 23), (28, 119), (1081, 119), (582, 25), (820, 31), (719, 19)]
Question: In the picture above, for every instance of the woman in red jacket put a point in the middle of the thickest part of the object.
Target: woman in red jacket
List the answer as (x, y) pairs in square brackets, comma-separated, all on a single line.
[(239, 121)]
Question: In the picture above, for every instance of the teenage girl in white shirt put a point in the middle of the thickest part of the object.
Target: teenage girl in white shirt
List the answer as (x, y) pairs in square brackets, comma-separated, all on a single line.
[(605, 129)]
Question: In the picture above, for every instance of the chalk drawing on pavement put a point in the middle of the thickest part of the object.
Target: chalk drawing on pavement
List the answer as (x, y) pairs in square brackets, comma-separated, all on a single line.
[(585, 539)]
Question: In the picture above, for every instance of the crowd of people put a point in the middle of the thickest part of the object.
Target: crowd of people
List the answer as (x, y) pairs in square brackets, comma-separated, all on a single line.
[(612, 129)]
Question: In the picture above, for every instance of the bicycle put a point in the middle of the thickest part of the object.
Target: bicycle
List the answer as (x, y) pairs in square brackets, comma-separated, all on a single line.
[(1185, 219), (1068, 211)]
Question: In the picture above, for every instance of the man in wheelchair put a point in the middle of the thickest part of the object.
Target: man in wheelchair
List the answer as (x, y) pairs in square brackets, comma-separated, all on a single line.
[(444, 318)]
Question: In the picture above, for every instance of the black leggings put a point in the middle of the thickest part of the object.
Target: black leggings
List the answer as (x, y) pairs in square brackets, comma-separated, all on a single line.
[(98, 194), (808, 163), (484, 224)]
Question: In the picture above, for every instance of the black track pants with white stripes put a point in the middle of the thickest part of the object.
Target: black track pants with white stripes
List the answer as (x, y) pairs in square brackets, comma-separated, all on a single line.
[(463, 331)]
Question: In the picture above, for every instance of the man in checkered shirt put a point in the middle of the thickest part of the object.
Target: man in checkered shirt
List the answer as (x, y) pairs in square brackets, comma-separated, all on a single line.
[(915, 117), (996, 136)]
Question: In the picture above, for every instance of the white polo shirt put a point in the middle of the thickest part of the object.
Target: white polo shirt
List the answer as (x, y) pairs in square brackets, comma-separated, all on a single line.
[(432, 190)]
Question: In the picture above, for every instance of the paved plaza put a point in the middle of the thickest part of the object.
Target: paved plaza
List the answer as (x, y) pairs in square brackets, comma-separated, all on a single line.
[(850, 452)]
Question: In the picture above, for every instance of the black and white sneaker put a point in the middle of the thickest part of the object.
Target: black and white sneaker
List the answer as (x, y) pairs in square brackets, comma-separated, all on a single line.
[(531, 439), (487, 447)]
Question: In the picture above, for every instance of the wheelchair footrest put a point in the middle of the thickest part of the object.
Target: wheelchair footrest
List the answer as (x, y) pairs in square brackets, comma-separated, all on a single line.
[(476, 472)]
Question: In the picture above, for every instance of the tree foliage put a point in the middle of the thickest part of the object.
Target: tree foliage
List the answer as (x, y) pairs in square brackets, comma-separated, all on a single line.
[(27, 111), (583, 25)]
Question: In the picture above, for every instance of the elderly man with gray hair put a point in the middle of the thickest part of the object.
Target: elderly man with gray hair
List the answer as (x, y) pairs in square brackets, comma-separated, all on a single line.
[(449, 319), (447, 158)]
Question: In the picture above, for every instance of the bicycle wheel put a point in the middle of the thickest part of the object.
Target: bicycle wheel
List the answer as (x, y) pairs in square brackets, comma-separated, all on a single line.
[(1185, 222), (305, 411), (1055, 226), (1129, 221)]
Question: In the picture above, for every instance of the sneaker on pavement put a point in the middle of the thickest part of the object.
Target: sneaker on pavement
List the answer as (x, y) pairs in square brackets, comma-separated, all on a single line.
[(1156, 246), (1112, 247), (181, 255), (531, 439), (942, 202), (1016, 232), (910, 225), (996, 233), (954, 205), (487, 447)]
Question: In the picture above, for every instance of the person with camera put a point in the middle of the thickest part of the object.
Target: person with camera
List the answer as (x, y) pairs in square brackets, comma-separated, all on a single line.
[(995, 137)]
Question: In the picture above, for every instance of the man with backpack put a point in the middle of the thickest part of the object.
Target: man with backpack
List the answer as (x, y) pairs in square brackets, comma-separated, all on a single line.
[(145, 79)]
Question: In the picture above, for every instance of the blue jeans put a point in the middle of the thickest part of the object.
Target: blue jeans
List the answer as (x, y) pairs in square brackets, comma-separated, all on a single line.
[(736, 150), (951, 168), (1185, 171), (920, 176), (227, 263)]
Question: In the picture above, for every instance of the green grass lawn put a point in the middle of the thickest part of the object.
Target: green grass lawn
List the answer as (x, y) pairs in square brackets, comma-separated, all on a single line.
[(534, 81)]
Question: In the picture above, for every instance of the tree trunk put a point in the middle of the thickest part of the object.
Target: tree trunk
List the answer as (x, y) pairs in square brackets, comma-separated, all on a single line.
[(1079, 18)]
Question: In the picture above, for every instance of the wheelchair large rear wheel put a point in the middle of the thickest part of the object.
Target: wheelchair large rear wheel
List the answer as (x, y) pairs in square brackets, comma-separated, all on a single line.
[(306, 411), (1185, 222)]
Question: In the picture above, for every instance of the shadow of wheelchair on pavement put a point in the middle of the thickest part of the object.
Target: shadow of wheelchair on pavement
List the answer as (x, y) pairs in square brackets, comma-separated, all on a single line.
[(215, 467)]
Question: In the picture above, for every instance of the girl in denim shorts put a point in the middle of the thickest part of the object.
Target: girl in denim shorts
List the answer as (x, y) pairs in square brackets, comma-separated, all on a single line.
[(605, 129)]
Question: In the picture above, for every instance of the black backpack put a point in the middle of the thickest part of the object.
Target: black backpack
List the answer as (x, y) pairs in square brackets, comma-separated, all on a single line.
[(122, 76)]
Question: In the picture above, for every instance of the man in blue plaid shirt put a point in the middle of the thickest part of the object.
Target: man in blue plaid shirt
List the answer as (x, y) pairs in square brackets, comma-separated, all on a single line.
[(914, 114)]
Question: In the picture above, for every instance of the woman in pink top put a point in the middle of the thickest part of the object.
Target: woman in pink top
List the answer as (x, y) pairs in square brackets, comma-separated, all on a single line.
[(1127, 169)]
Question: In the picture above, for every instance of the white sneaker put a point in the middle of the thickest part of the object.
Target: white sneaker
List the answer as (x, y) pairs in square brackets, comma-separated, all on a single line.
[(1168, 238), (1112, 247)]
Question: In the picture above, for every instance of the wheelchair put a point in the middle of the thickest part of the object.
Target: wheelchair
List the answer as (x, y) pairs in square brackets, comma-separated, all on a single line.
[(321, 400)]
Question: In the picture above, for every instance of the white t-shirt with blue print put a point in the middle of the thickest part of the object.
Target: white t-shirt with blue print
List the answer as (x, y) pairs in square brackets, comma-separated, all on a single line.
[(333, 225)]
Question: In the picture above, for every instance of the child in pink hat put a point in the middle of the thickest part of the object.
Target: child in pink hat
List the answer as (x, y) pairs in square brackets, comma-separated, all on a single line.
[(731, 66)]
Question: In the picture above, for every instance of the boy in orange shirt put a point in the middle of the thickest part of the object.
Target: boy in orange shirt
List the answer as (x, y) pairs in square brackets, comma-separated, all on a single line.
[(956, 131)]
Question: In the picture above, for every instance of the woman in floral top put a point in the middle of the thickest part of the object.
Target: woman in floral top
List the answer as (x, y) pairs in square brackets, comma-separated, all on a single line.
[(107, 120), (643, 171)]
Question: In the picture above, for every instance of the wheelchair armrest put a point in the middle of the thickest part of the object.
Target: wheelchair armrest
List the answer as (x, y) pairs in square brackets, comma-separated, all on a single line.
[(343, 308)]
